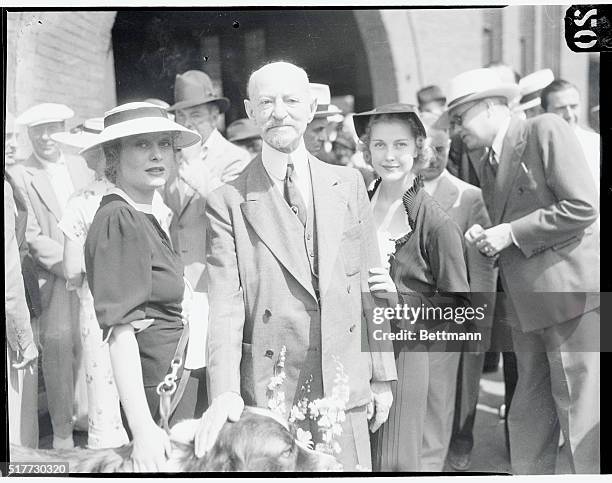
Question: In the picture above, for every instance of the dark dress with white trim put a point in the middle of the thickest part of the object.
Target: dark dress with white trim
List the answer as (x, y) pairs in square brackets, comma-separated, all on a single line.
[(428, 261), (134, 274)]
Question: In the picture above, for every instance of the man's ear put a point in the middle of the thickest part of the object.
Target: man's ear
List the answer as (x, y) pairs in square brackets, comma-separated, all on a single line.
[(248, 107)]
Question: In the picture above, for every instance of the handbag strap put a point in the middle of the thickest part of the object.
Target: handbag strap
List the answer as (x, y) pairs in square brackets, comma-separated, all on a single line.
[(169, 392)]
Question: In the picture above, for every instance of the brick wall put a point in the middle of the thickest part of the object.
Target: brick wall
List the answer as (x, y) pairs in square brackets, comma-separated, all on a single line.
[(63, 57)]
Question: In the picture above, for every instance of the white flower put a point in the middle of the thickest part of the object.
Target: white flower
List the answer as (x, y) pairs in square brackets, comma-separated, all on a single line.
[(296, 414)]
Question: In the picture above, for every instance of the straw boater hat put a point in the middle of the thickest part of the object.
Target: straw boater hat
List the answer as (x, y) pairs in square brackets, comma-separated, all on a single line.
[(242, 129), (44, 113), (531, 87), (474, 85), (193, 88), (361, 120), (323, 96), (81, 136), (140, 118)]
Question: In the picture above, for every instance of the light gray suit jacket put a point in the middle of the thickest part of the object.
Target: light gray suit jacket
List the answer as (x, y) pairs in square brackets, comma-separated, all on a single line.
[(224, 161), (545, 190), (45, 239), (260, 290)]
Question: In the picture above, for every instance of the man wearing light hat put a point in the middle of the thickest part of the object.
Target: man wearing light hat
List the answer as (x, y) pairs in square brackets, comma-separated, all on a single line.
[(202, 168), (531, 87), (46, 180), (316, 131), (543, 206), (244, 133)]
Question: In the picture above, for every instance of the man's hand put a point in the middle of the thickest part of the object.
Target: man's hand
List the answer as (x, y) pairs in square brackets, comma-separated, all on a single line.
[(225, 407), (193, 171), (492, 241), (28, 358), (381, 285), (378, 408)]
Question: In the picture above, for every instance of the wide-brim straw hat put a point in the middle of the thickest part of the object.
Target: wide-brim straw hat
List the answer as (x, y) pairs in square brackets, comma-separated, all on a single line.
[(85, 134), (362, 119), (475, 85), (141, 118), (193, 88)]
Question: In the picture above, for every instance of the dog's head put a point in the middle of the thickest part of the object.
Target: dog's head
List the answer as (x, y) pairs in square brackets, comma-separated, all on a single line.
[(260, 442)]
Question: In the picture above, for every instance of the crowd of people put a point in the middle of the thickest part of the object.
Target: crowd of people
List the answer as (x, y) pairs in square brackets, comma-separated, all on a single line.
[(162, 271)]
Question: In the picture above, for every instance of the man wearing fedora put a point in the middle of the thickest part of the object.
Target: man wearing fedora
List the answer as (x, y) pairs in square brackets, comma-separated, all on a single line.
[(244, 133), (291, 243), (200, 169), (46, 180), (431, 99), (542, 202)]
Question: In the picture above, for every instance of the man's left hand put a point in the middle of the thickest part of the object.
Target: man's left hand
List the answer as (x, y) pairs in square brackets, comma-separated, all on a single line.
[(494, 240), (378, 408)]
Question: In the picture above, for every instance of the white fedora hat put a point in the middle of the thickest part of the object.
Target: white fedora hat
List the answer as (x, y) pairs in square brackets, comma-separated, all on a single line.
[(83, 135), (474, 85), (141, 118), (531, 87)]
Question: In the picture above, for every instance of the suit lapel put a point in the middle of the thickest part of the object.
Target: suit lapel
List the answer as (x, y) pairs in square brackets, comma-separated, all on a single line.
[(275, 224), (512, 150), (42, 185), (79, 172), (446, 193), (330, 201)]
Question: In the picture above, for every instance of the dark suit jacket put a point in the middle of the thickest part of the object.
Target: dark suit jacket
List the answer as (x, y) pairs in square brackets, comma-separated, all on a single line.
[(260, 287), (545, 190)]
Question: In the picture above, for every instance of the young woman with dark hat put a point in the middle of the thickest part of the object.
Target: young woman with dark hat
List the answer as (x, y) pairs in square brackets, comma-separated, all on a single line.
[(423, 249)]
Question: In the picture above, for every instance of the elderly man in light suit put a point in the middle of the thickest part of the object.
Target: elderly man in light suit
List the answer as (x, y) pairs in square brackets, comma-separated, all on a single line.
[(465, 205), (200, 169), (291, 242), (542, 201), (46, 180)]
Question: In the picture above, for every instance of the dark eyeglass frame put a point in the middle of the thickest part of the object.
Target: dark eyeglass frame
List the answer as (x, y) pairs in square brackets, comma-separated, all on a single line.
[(457, 119)]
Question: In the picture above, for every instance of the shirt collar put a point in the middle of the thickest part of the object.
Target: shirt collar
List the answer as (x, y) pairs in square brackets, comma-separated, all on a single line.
[(499, 138), (432, 185), (142, 207), (213, 138), (275, 162), (51, 164)]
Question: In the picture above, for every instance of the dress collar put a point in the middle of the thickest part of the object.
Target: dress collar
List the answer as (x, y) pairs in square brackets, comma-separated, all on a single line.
[(142, 207), (275, 162)]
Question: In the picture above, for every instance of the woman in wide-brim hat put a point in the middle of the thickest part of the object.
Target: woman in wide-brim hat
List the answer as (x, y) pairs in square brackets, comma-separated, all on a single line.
[(105, 429), (422, 250), (134, 274)]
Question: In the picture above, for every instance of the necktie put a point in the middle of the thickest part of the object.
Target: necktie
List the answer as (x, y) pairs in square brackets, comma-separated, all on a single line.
[(493, 161), (292, 195)]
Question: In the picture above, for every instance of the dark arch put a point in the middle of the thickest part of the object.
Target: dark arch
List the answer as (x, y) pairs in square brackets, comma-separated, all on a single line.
[(151, 47)]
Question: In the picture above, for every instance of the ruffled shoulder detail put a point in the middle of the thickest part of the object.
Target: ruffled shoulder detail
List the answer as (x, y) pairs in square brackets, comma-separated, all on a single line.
[(410, 200), (375, 185)]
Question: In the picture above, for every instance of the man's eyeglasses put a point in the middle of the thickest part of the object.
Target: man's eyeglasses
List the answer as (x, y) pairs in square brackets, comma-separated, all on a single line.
[(457, 119)]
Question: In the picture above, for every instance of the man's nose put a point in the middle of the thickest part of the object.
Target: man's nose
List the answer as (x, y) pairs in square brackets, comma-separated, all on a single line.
[(45, 135), (280, 110)]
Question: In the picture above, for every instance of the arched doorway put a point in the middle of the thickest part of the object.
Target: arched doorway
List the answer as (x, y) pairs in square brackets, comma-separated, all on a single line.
[(151, 47)]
